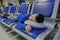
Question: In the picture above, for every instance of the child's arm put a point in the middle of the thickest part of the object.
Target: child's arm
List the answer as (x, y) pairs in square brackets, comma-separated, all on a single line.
[(24, 26), (23, 18), (28, 28)]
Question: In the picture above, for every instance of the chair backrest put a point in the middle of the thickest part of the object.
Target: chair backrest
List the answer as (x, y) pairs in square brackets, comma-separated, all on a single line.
[(6, 10), (23, 8), (12, 9), (45, 8)]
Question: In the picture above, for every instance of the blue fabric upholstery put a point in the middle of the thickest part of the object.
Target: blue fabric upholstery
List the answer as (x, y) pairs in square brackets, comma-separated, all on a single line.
[(9, 21), (45, 8), (12, 9), (6, 10), (33, 33), (23, 8)]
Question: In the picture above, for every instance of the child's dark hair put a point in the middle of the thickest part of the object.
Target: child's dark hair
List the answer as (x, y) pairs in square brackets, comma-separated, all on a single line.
[(39, 18)]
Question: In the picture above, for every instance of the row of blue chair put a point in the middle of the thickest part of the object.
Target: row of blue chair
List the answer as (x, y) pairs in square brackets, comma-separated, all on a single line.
[(46, 8), (10, 9), (23, 8), (13, 9)]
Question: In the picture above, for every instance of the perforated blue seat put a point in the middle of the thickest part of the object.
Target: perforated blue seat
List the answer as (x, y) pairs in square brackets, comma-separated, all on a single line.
[(9, 21), (12, 9), (6, 10), (46, 9)]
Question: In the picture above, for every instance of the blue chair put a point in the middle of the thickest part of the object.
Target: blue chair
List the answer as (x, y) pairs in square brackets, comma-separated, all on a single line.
[(23, 8), (12, 9), (46, 8), (11, 12), (6, 10)]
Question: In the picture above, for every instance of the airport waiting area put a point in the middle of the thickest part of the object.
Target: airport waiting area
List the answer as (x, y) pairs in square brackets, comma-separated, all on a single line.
[(30, 20)]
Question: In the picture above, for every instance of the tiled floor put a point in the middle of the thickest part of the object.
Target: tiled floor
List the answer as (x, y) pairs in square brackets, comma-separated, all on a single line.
[(8, 36), (3, 35)]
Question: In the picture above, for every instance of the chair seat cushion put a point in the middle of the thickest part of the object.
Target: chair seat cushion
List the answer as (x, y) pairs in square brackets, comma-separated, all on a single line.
[(8, 21), (33, 33)]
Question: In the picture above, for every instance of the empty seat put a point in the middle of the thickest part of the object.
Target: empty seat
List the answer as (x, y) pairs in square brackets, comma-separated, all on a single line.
[(11, 12), (12, 9), (6, 10), (23, 8)]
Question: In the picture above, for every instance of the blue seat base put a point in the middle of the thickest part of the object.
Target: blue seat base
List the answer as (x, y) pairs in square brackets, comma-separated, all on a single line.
[(33, 33), (9, 21)]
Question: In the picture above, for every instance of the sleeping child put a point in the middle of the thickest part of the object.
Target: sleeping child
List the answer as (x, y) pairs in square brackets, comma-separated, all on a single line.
[(38, 18)]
